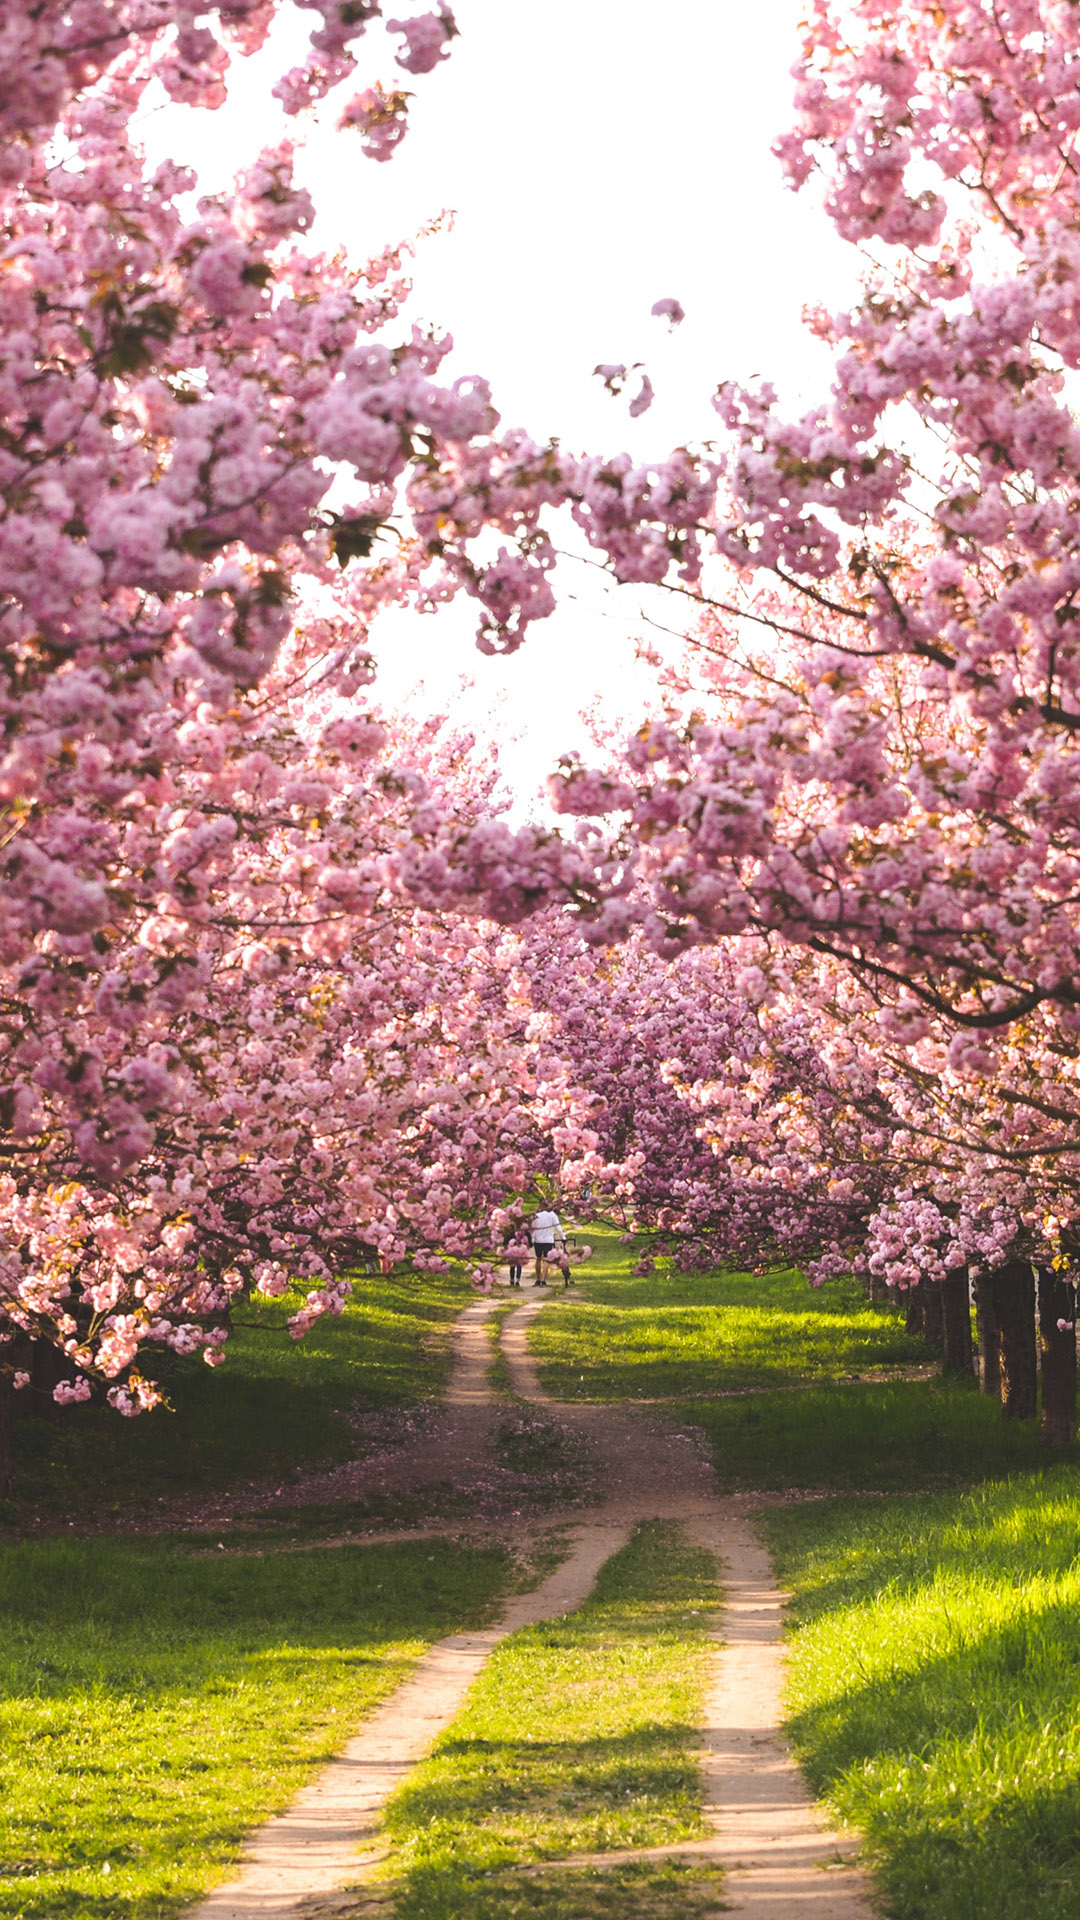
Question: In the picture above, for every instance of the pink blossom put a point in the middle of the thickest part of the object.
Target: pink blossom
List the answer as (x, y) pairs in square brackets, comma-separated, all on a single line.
[(356, 737), (643, 398), (427, 36), (380, 117), (612, 376), (67, 1392), (669, 310)]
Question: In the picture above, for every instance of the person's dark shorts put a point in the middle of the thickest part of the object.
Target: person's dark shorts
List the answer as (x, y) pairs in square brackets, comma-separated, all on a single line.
[(542, 1248)]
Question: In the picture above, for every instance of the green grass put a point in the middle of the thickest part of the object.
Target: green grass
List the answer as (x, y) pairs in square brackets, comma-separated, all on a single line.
[(935, 1690), (155, 1705), (577, 1738), (276, 1403), (889, 1437), (499, 1376), (672, 1334)]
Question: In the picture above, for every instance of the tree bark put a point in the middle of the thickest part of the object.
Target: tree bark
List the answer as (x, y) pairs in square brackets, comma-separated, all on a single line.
[(1014, 1293), (916, 1301), (933, 1326), (956, 1316), (1057, 1355), (989, 1342), (7, 1464), (48, 1366), (879, 1290)]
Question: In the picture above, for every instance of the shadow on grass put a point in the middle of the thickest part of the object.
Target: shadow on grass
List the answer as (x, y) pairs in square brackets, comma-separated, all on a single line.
[(284, 1526), (628, 1890), (579, 1738), (889, 1437), (153, 1706), (554, 1462), (275, 1404), (936, 1690)]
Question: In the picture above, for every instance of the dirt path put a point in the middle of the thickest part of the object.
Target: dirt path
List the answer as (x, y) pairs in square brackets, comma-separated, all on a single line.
[(329, 1834), (439, 1465), (770, 1835), (324, 1840), (780, 1859)]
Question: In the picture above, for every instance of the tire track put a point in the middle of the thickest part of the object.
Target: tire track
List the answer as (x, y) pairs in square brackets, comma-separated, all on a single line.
[(780, 1857)]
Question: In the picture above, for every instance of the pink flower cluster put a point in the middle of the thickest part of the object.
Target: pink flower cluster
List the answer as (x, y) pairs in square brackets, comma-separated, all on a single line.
[(263, 1015), (381, 119)]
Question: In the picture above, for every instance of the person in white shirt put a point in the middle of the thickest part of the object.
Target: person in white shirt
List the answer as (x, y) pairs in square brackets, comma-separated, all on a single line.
[(546, 1229)]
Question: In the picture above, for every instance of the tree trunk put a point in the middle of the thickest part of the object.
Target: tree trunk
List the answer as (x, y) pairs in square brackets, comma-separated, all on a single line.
[(989, 1343), (956, 1315), (48, 1366), (879, 1289), (7, 1464), (1014, 1292), (933, 1326), (916, 1300), (1057, 1354)]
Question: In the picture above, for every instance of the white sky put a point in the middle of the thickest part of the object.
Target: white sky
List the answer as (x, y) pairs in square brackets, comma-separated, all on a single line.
[(598, 155)]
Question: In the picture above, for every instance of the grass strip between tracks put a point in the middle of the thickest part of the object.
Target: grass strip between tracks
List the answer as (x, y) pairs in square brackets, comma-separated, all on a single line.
[(578, 1738)]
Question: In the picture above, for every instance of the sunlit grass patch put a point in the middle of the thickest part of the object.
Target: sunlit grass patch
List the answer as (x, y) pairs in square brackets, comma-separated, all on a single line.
[(577, 1738), (639, 1337), (155, 1705), (935, 1690)]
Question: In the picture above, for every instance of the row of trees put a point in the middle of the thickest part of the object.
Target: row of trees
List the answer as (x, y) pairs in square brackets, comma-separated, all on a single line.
[(252, 1027), (749, 1133), (279, 982), (864, 781)]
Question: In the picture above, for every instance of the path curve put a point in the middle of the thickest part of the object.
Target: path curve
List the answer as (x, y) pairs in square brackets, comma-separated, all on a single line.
[(768, 1833), (326, 1837), (328, 1834), (771, 1837)]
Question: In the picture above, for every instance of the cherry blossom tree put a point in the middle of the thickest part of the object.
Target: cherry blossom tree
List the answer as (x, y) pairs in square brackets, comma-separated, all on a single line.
[(280, 1061), (884, 776), (715, 1121), (222, 457), (202, 952)]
